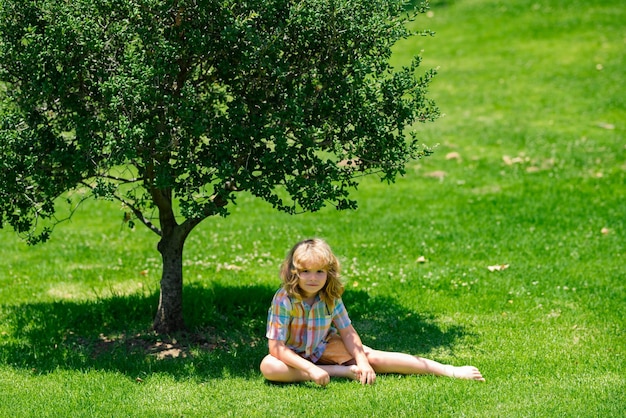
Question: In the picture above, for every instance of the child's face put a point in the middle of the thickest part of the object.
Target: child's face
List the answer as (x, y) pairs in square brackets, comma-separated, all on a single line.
[(312, 278)]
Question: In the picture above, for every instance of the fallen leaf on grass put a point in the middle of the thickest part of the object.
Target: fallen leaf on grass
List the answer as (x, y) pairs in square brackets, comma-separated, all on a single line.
[(608, 126), (436, 174), (498, 267), (512, 160), (171, 353), (453, 156)]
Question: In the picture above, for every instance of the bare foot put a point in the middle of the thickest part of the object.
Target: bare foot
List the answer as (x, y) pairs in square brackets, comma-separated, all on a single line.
[(349, 372), (468, 373), (354, 372)]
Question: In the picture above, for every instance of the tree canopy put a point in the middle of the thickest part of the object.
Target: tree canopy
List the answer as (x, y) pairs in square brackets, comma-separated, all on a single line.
[(173, 107)]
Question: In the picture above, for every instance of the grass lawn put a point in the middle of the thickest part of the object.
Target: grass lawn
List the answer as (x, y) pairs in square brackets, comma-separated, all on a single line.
[(529, 172)]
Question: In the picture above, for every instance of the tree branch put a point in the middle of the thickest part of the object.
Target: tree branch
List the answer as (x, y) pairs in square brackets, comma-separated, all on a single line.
[(119, 179), (136, 211), (139, 215)]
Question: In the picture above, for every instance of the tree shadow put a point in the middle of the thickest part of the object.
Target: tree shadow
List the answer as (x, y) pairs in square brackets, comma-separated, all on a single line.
[(384, 324), (227, 334)]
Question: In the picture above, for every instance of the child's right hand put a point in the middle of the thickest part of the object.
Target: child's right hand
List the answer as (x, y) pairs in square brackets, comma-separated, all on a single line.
[(319, 376)]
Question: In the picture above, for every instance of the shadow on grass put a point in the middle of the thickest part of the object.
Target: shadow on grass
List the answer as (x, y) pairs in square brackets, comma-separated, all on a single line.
[(227, 336)]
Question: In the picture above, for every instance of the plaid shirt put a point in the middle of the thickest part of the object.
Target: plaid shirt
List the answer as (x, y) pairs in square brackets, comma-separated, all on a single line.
[(304, 329)]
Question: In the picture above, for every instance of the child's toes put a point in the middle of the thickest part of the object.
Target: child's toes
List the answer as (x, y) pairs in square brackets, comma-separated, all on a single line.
[(469, 373), (355, 372)]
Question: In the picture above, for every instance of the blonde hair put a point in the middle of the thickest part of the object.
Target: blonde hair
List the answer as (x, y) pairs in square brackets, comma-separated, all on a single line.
[(315, 251)]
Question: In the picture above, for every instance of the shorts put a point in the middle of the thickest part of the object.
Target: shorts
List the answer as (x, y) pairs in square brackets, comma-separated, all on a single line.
[(335, 353)]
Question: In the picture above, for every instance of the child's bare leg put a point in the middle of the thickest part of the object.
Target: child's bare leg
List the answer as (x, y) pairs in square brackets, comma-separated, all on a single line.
[(389, 362), (275, 370)]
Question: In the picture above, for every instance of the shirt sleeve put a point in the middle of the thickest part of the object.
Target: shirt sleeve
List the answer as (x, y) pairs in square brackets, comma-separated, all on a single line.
[(340, 315), (278, 317)]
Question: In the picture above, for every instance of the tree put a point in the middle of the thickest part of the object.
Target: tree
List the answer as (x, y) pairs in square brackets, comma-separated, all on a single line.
[(173, 107)]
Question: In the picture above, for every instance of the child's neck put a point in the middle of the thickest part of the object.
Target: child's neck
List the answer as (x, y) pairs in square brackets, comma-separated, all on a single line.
[(309, 299)]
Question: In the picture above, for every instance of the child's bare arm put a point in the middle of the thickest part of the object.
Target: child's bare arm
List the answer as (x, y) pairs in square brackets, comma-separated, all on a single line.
[(353, 344)]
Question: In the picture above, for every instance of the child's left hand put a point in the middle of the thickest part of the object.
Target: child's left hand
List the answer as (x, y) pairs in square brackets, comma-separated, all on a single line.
[(367, 375)]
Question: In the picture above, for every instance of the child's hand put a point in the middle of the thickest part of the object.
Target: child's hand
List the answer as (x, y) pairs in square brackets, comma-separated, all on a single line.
[(368, 375), (319, 376)]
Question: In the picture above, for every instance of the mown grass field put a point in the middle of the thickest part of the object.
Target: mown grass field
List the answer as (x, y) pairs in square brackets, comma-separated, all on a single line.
[(529, 172)]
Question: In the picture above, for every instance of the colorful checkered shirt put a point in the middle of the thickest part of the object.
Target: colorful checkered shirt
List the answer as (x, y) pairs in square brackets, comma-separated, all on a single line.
[(304, 329)]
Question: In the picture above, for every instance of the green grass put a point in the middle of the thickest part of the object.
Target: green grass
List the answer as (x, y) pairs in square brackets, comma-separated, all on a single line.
[(534, 102)]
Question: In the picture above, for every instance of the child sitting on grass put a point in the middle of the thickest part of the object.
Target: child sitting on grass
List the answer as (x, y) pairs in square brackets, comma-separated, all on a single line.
[(303, 321)]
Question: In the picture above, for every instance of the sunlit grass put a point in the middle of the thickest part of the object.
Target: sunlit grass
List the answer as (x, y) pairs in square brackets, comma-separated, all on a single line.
[(529, 172)]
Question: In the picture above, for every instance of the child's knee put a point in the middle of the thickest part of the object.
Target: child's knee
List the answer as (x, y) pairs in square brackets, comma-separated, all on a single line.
[(270, 365), (264, 366)]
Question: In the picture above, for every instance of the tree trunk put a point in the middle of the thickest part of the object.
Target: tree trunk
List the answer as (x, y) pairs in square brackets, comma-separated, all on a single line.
[(169, 316)]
